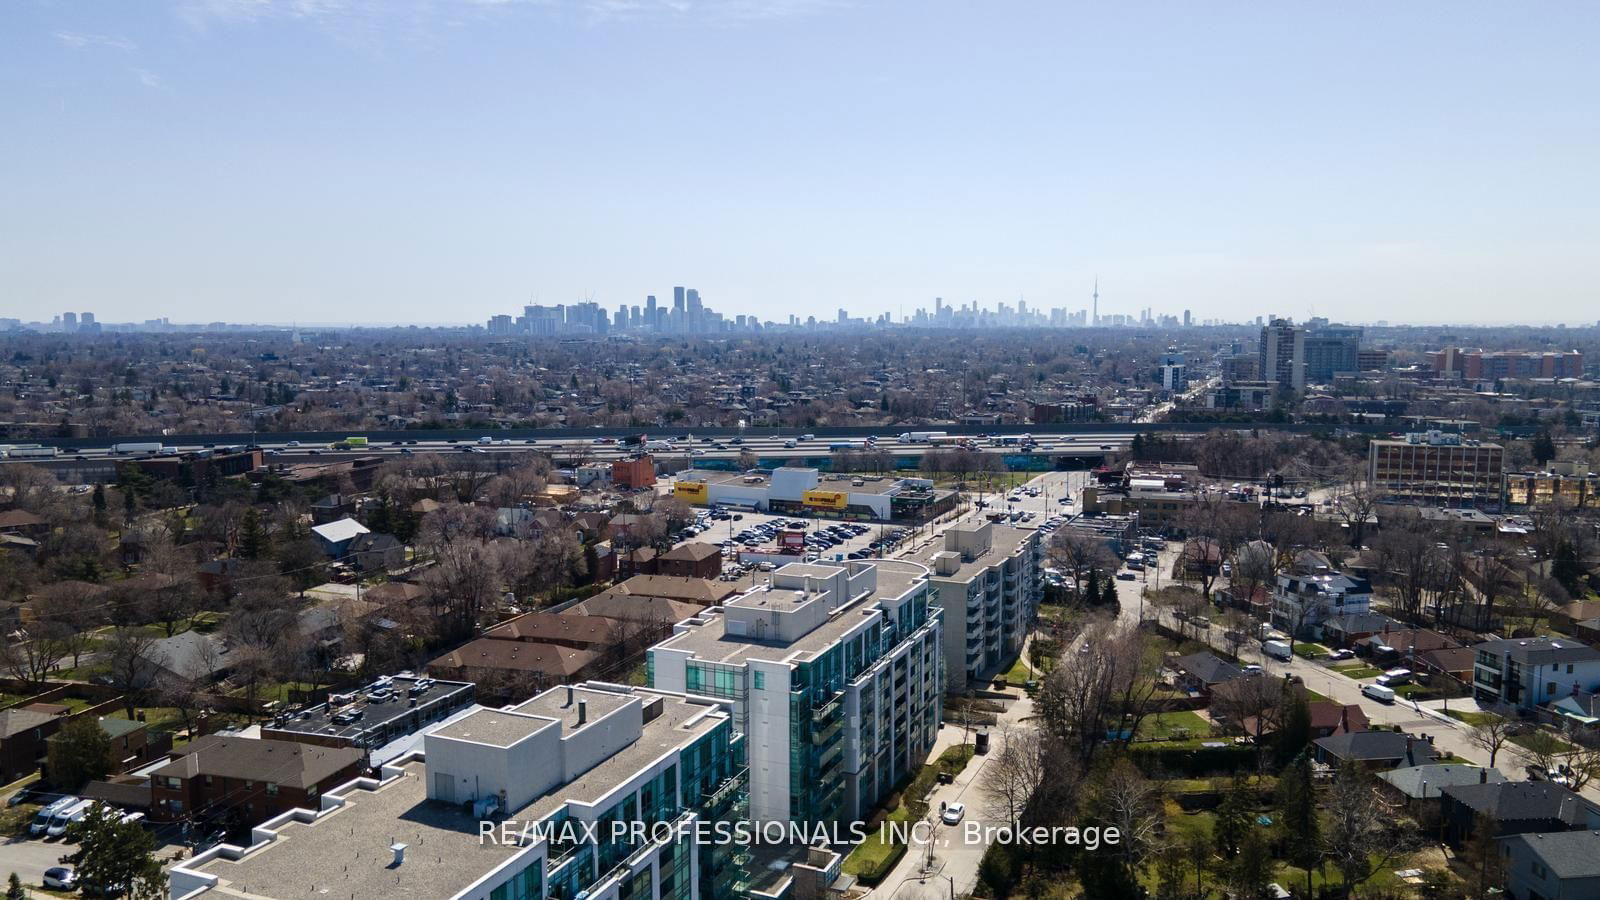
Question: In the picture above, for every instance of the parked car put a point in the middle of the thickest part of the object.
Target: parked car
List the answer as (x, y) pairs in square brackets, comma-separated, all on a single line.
[(952, 813), (61, 878)]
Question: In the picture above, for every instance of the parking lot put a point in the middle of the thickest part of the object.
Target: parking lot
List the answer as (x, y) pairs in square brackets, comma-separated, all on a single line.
[(751, 535)]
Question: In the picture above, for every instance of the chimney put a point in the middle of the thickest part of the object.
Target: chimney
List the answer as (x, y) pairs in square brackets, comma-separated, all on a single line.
[(570, 693), (1483, 776), (399, 850), (583, 711), (1344, 720)]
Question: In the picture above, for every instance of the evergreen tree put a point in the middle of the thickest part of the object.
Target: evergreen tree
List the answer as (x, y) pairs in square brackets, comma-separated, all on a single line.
[(1091, 588), (14, 890), (113, 852), (1295, 733), (1108, 597), (1252, 868), (1298, 797), (1233, 820), (1544, 448), (252, 539)]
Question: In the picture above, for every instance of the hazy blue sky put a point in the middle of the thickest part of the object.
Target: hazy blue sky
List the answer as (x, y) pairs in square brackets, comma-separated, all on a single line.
[(443, 160)]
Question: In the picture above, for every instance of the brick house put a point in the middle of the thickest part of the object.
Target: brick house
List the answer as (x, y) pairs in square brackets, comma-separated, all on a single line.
[(694, 559), (238, 781)]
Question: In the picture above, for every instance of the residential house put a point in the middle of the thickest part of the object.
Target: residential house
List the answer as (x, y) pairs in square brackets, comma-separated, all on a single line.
[(1327, 718), (1421, 788), (1566, 618), (1202, 672), (1515, 807), (1345, 630), (331, 508), (565, 628), (1529, 672), (23, 733), (1552, 866), (509, 669), (186, 655), (1374, 750), (1304, 603), (239, 781), (377, 552), (692, 559), (216, 575), (335, 537), (20, 521)]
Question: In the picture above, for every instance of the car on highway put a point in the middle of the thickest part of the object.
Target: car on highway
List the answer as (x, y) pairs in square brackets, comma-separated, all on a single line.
[(952, 813)]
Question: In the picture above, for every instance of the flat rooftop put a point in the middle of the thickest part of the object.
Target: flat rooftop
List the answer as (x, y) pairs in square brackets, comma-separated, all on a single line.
[(492, 726), (346, 852), (711, 642), (1004, 541), (872, 484)]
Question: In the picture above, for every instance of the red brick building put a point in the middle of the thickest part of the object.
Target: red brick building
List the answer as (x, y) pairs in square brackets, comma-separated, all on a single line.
[(240, 781), (635, 473)]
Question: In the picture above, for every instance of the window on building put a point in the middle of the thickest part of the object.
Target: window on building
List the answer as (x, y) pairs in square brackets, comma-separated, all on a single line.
[(272, 789), (761, 680)]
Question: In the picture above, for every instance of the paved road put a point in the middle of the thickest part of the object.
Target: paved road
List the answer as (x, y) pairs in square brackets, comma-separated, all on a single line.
[(29, 858)]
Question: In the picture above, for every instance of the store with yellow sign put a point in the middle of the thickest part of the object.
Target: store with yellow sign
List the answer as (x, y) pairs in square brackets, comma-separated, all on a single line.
[(690, 491), (825, 499)]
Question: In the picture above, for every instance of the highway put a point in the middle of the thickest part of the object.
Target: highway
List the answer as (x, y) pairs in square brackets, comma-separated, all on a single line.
[(686, 448)]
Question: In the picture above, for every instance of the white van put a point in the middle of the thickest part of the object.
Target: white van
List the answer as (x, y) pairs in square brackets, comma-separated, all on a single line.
[(1378, 692), (48, 812), (1394, 677), (66, 816)]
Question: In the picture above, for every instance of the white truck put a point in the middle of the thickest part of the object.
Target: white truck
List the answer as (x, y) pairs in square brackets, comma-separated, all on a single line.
[(1277, 650), (658, 445), (922, 437), (137, 447)]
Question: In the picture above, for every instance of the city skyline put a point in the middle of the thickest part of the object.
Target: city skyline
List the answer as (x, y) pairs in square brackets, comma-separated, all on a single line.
[(445, 162)]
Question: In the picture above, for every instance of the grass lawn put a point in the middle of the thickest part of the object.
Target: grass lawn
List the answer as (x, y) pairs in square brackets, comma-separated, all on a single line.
[(1180, 725), (1471, 718), (1309, 651), (1314, 697), (1406, 690), (1019, 673), (1542, 740), (872, 859), (1359, 672), (875, 856)]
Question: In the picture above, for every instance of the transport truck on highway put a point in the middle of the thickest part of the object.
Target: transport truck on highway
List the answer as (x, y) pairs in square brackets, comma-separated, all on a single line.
[(137, 447), (32, 453), (922, 437)]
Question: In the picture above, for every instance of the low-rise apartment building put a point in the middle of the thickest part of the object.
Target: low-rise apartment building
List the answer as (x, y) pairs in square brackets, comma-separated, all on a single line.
[(239, 781), (986, 578), (1438, 468), (834, 675)]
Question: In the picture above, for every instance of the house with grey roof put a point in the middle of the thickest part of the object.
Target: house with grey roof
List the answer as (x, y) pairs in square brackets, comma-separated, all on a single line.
[(1375, 750), (1556, 866), (1201, 672), (1515, 807), (1421, 788)]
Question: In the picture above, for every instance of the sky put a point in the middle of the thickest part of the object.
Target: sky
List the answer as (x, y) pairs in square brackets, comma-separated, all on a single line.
[(423, 161)]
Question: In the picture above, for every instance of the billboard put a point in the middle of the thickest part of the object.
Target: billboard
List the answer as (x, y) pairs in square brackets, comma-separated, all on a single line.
[(825, 499), (690, 491)]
